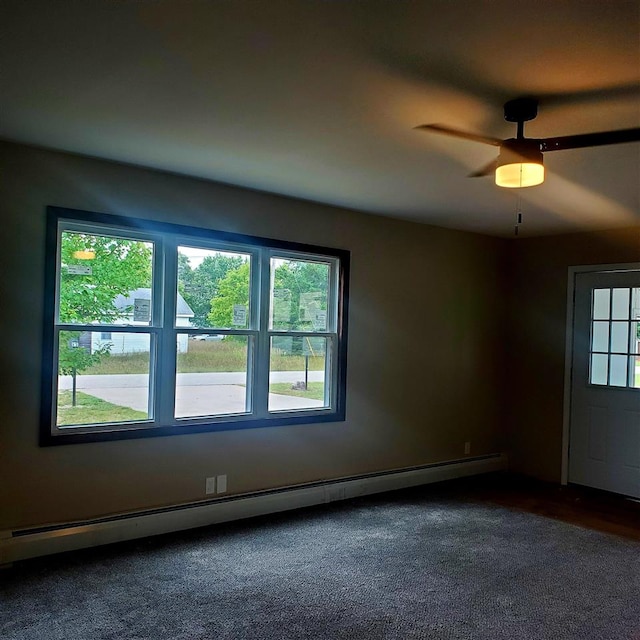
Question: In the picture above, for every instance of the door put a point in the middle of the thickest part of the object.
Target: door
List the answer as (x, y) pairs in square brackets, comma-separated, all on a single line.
[(604, 440)]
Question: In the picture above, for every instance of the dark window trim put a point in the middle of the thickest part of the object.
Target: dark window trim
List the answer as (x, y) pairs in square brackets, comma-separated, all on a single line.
[(54, 214)]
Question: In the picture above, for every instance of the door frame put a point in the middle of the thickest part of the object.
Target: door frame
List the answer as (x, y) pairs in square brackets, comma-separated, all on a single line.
[(568, 356)]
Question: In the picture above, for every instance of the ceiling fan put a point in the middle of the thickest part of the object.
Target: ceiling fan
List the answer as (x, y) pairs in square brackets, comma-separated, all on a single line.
[(519, 163)]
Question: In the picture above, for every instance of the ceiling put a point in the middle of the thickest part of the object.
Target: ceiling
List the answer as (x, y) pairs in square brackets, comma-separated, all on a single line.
[(317, 99)]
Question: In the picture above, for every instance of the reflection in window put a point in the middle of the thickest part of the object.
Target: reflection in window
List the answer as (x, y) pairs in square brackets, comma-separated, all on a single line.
[(299, 295)]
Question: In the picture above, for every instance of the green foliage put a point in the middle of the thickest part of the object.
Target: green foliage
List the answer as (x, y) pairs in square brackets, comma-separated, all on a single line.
[(204, 357), (307, 286), (119, 267), (233, 289), (73, 357), (199, 286), (295, 279)]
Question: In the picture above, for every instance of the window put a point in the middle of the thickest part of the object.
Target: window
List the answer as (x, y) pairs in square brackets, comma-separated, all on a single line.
[(160, 329), (615, 337)]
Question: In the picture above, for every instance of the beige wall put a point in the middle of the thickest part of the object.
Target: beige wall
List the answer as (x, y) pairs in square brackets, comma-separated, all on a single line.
[(425, 349), (538, 310)]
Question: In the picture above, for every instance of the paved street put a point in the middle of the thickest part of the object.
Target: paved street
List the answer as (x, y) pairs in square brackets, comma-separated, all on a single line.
[(197, 393)]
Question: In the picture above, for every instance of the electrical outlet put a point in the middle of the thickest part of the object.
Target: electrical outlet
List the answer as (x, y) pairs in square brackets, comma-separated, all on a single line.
[(210, 485), (222, 484), (467, 447)]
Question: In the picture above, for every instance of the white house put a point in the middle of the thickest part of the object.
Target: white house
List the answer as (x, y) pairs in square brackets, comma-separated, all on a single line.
[(136, 312)]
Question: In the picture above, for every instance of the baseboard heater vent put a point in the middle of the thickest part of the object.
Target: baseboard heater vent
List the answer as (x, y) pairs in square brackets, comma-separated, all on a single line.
[(30, 543)]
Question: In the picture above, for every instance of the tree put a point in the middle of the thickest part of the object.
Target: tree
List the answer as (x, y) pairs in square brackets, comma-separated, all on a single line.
[(89, 286), (118, 267), (185, 274), (74, 357), (300, 291), (233, 289), (307, 287), (200, 285)]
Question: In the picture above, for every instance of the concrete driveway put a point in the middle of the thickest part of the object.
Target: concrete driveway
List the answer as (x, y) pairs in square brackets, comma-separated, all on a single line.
[(197, 394)]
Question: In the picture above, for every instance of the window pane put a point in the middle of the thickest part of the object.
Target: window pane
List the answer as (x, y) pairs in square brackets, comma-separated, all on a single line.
[(297, 373), (634, 368), (111, 378), (620, 306), (599, 368), (104, 279), (213, 288), (601, 304), (600, 337), (299, 293), (211, 375), (619, 371), (619, 337)]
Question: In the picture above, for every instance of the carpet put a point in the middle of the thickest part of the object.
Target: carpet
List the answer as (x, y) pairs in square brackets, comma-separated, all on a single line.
[(415, 564)]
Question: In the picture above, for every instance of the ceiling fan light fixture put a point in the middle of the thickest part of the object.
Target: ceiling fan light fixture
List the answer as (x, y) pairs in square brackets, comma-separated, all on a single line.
[(521, 166), (520, 174)]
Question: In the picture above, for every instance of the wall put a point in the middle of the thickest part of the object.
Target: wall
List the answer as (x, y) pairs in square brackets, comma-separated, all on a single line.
[(538, 316), (424, 361)]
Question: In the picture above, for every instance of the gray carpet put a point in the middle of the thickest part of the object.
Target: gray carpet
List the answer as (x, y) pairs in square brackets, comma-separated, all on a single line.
[(413, 564)]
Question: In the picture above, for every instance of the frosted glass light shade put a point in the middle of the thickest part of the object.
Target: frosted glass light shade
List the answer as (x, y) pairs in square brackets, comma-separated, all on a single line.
[(520, 174)]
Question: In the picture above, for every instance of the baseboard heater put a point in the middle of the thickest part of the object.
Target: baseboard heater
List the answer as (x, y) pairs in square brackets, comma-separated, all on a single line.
[(40, 541)]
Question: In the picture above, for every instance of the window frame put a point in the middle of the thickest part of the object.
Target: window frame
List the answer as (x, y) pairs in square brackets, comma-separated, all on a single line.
[(163, 330)]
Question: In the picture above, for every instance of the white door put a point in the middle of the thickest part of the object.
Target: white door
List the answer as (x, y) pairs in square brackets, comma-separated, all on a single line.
[(604, 441)]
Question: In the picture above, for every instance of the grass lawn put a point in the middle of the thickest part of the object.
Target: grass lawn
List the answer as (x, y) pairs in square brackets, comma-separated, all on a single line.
[(92, 410), (315, 390), (202, 357)]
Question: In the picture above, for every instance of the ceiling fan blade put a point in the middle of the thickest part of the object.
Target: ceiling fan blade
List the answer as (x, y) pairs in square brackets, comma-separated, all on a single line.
[(448, 131), (585, 96), (589, 140), (487, 170)]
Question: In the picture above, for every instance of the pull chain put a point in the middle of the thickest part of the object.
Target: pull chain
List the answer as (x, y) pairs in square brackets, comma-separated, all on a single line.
[(518, 215)]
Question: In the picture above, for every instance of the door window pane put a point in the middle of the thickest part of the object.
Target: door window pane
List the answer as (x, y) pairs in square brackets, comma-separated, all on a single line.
[(634, 372), (635, 325), (618, 371), (616, 335), (620, 305), (299, 294), (211, 377), (297, 373), (619, 337), (104, 279), (110, 377), (213, 288), (600, 337), (599, 368), (601, 300)]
